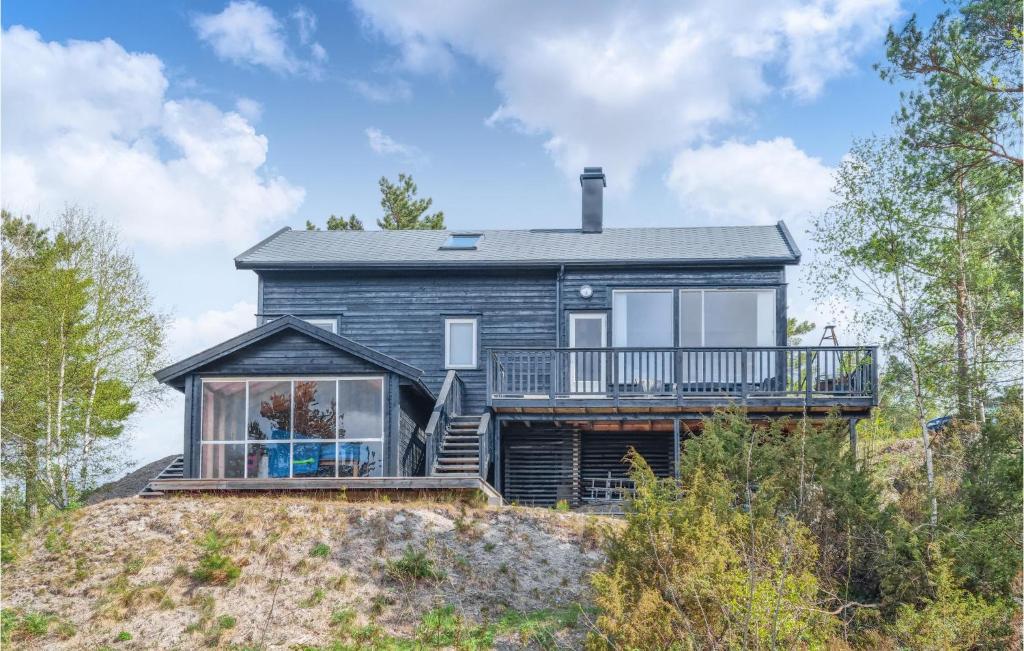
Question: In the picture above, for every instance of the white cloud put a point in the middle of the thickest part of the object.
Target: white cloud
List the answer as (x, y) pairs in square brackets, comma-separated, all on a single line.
[(249, 109), (248, 33), (190, 335), (618, 83), (756, 183), (383, 93), (385, 145), (89, 123)]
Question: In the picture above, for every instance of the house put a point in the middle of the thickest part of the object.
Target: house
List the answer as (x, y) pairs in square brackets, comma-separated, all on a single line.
[(526, 362)]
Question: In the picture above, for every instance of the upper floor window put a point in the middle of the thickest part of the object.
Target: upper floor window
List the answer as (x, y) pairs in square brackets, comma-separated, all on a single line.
[(642, 317), (461, 241), (330, 325), (460, 343), (727, 317)]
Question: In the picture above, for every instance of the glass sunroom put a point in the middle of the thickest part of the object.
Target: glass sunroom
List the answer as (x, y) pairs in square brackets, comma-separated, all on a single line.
[(292, 427)]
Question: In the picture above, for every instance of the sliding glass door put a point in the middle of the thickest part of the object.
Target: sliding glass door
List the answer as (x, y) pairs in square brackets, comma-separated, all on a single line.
[(587, 367), (726, 318), (643, 319)]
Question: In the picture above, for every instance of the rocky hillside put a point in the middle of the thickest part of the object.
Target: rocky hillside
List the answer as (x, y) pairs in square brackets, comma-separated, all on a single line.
[(301, 573)]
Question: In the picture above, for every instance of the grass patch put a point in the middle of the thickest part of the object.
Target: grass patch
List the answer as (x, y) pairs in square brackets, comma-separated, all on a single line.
[(215, 566), (320, 550), (415, 566), (123, 636), (19, 626), (314, 599)]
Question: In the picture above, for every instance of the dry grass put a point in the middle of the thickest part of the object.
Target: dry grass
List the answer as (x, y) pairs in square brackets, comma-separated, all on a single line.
[(131, 565)]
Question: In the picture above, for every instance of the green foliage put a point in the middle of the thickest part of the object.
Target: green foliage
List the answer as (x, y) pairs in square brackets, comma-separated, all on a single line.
[(694, 568), (352, 223), (951, 618), (314, 599), (444, 627), (320, 550), (20, 626), (402, 210), (216, 567), (562, 506), (795, 330), (81, 341), (123, 636), (414, 565)]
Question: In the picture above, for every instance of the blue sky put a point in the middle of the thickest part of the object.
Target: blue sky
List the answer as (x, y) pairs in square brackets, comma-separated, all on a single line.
[(200, 127)]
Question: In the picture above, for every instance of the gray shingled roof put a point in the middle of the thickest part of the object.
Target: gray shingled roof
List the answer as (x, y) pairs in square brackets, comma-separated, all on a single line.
[(696, 245)]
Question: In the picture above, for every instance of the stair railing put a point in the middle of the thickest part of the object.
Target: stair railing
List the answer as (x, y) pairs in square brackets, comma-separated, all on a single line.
[(448, 405)]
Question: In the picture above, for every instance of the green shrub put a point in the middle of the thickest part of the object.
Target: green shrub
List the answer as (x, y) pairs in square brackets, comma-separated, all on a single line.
[(562, 506), (320, 550), (414, 565), (314, 599), (690, 570), (215, 566), (123, 636)]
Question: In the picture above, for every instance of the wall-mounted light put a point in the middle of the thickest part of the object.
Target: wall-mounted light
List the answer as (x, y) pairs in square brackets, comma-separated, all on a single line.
[(586, 291)]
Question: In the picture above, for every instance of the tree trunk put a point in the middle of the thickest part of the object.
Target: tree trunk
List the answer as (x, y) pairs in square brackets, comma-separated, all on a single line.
[(926, 441), (962, 312)]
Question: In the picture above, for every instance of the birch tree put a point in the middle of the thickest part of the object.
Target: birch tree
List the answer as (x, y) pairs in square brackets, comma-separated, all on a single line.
[(873, 247), (81, 339)]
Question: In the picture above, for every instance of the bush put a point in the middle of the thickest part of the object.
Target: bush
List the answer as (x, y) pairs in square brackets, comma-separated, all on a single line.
[(215, 566), (691, 570), (414, 565)]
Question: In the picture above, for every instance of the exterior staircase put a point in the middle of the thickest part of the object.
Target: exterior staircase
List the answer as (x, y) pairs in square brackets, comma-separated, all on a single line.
[(174, 470), (460, 450)]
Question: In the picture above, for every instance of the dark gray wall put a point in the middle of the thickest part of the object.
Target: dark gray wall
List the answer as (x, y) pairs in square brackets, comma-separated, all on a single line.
[(402, 314)]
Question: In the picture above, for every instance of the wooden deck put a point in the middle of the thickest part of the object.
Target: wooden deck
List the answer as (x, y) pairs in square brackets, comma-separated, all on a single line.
[(357, 488)]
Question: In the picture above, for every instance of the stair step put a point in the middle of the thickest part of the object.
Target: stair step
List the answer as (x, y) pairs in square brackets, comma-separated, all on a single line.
[(458, 469), (459, 446), (456, 460)]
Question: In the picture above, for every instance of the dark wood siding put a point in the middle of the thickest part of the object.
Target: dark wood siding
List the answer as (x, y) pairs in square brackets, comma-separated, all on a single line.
[(289, 353), (540, 466), (403, 315), (603, 453)]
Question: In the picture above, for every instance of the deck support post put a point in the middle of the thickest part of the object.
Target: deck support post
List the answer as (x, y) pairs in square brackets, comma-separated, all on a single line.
[(853, 437), (497, 455), (675, 448)]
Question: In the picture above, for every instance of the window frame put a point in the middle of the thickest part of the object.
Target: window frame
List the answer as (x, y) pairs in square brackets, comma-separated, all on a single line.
[(318, 320), (701, 291), (290, 442), (671, 291), (449, 246), (448, 322)]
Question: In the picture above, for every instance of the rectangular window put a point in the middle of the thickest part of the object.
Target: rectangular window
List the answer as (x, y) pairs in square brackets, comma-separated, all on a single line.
[(642, 319), (726, 317), (331, 325), (284, 427), (465, 241), (460, 343)]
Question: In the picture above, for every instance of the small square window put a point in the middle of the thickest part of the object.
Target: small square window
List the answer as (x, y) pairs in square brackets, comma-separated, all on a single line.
[(462, 241)]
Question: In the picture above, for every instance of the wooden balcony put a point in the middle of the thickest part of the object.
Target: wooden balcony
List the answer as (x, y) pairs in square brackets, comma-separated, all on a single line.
[(769, 379)]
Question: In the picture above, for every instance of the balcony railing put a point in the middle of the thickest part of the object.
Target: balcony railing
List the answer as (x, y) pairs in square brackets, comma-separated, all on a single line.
[(811, 374)]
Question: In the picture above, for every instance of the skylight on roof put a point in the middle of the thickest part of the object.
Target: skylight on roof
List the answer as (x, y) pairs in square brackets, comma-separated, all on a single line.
[(464, 241)]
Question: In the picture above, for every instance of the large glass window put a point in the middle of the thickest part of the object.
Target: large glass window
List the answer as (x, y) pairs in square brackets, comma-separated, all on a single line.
[(643, 319), (279, 428), (726, 317)]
